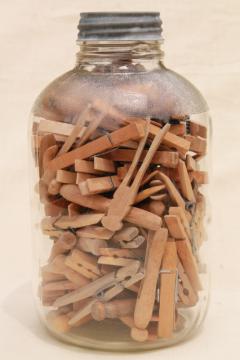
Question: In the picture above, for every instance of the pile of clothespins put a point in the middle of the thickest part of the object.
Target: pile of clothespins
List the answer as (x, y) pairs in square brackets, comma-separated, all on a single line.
[(124, 212)]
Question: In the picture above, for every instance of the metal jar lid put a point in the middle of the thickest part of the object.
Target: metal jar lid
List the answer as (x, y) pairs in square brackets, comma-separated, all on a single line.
[(111, 26)]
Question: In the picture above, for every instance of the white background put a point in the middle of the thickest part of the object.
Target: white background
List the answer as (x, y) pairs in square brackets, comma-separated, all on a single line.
[(38, 43)]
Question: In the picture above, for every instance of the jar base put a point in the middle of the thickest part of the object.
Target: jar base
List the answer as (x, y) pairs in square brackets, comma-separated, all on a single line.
[(98, 336)]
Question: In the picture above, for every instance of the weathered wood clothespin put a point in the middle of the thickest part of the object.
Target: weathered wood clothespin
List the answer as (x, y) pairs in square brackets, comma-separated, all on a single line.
[(103, 289), (97, 286), (185, 182), (136, 216), (124, 196), (168, 283), (184, 249), (164, 158), (146, 297), (173, 141), (117, 137)]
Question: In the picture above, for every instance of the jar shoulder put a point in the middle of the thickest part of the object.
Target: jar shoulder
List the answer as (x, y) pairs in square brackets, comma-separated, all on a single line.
[(160, 93)]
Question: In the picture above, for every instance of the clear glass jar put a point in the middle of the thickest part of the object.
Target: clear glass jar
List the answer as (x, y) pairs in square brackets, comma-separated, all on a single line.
[(120, 146)]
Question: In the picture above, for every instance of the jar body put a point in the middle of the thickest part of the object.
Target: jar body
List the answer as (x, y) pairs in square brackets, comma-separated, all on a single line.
[(120, 270)]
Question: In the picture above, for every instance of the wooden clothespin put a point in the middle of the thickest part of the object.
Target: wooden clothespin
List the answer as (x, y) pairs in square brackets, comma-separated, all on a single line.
[(185, 182), (168, 282), (164, 158), (97, 286), (173, 141), (117, 137), (146, 297), (124, 196), (136, 216), (104, 289), (184, 249)]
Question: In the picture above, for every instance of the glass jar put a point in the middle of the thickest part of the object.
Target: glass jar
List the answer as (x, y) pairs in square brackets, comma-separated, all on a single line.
[(120, 147)]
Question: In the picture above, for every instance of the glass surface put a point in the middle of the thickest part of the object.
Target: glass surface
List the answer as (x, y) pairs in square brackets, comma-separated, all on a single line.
[(80, 160)]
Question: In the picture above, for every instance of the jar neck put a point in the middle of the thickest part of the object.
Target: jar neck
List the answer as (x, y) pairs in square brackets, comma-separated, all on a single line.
[(118, 56)]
